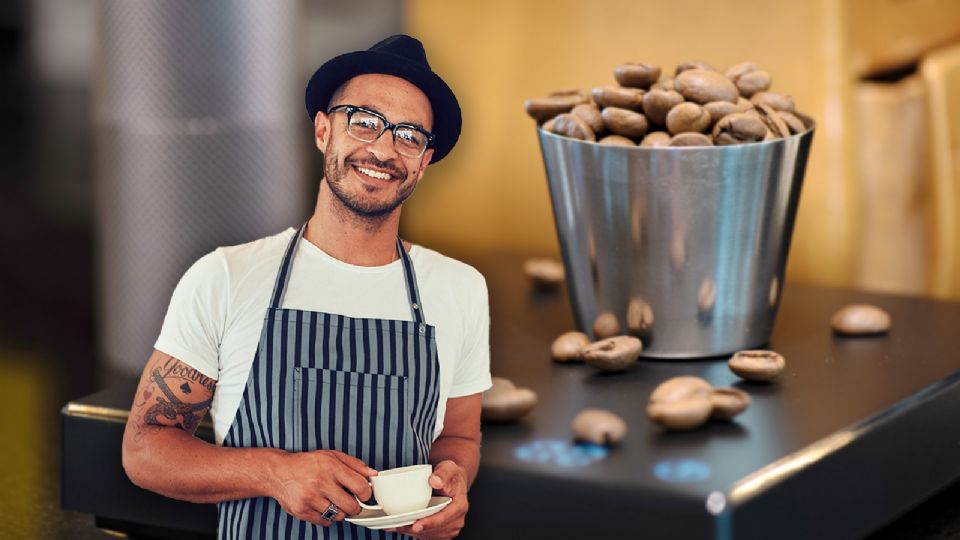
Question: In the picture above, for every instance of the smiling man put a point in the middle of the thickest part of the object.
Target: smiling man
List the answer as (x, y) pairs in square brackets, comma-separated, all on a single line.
[(332, 352)]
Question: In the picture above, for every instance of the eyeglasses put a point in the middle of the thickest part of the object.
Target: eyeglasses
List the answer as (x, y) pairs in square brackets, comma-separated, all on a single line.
[(367, 125)]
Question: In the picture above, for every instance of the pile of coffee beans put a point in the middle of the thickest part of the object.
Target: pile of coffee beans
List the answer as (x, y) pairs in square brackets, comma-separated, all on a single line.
[(697, 106)]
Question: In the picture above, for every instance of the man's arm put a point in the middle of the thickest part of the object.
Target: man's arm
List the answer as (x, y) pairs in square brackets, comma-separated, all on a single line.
[(455, 456), (160, 453), (459, 441)]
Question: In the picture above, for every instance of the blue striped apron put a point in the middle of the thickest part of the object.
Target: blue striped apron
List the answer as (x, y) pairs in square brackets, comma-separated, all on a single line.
[(366, 387)]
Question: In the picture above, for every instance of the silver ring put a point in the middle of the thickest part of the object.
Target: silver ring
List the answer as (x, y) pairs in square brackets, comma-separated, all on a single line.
[(330, 513)]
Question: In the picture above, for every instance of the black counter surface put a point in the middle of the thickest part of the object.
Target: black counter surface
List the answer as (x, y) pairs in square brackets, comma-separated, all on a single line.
[(852, 435)]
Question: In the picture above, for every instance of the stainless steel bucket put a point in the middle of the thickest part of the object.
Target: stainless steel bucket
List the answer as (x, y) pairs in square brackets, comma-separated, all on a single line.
[(686, 247)]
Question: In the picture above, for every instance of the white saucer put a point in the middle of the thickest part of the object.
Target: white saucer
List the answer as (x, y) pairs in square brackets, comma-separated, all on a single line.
[(376, 519)]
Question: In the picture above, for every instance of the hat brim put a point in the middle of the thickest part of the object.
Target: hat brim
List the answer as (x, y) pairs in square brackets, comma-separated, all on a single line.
[(338, 70)]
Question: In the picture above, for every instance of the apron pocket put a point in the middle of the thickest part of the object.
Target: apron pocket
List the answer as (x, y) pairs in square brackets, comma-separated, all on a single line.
[(365, 415)]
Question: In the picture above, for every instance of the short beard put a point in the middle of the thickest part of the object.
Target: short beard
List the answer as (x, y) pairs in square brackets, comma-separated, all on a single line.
[(367, 209)]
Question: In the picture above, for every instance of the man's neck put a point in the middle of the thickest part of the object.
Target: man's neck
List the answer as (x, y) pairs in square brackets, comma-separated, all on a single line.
[(351, 238)]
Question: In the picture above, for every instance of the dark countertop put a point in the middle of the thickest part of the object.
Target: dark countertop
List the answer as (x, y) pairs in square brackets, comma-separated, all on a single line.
[(837, 395), (860, 425)]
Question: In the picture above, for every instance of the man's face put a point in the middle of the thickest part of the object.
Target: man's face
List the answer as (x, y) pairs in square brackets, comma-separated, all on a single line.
[(373, 179)]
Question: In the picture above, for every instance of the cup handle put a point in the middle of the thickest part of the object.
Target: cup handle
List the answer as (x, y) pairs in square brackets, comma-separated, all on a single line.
[(368, 506)]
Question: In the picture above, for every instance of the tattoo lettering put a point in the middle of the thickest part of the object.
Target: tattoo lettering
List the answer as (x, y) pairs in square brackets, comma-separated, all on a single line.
[(174, 368)]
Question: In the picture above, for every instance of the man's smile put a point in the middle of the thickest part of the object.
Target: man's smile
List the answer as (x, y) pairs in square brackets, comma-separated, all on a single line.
[(373, 173)]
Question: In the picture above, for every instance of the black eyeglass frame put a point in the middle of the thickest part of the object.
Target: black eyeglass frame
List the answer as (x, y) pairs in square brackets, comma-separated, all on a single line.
[(387, 125)]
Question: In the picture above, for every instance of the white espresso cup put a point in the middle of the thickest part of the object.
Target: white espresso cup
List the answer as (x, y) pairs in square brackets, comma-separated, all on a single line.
[(401, 490)]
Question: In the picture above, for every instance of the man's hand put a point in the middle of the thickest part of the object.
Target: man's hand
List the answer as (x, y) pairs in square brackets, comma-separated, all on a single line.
[(305, 483), (448, 479)]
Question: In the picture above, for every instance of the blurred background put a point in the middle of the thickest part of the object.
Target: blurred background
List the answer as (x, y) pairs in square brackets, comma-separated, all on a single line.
[(139, 135)]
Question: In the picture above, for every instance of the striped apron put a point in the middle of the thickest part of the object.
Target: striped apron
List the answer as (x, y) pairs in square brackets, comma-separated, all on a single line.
[(366, 387)]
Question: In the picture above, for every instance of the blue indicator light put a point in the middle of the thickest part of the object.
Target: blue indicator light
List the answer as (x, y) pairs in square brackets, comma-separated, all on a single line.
[(681, 471), (560, 453)]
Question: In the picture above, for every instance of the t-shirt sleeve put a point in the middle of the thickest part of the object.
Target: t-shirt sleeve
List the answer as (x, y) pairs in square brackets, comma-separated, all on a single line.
[(193, 326), (472, 373)]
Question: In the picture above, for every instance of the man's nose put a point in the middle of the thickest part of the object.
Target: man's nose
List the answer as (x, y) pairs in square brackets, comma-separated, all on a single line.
[(383, 148)]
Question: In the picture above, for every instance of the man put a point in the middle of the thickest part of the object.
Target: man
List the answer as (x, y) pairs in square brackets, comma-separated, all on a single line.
[(332, 352)]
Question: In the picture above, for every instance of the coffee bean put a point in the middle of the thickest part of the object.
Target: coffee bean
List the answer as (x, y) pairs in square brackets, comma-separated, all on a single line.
[(728, 402), (793, 122), (749, 78), (860, 320), (681, 415), (657, 103), (719, 109), (681, 403), (636, 75), (774, 123), (606, 325), (753, 82), (681, 387), (663, 84), (687, 66), (546, 274), (656, 138), (590, 113), (572, 126), (618, 140), (504, 402), (690, 139), (615, 353), (542, 109), (736, 71), (780, 102), (625, 122), (598, 426), (739, 128), (618, 96), (702, 86), (569, 346), (687, 117), (757, 365), (584, 95)]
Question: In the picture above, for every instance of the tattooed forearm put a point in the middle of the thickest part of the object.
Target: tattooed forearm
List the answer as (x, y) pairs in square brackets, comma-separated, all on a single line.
[(164, 396)]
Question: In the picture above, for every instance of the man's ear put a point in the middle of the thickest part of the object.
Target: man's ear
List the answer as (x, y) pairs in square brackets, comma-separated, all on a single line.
[(321, 130)]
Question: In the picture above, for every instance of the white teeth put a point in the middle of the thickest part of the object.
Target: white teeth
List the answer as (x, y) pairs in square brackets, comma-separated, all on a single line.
[(373, 173)]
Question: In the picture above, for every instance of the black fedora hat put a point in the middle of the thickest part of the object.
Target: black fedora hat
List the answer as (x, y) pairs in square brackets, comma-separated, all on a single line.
[(401, 56)]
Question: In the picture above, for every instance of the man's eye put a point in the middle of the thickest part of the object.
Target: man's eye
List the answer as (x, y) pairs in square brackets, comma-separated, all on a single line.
[(366, 123), (409, 136)]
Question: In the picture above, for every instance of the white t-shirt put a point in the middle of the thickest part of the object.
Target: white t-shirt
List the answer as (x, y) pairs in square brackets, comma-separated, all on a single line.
[(217, 310)]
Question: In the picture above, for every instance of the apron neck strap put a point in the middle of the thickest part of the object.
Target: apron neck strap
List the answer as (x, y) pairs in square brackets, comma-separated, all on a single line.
[(410, 278), (286, 269)]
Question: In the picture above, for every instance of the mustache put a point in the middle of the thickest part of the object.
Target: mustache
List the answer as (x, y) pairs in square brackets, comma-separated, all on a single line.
[(389, 166)]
